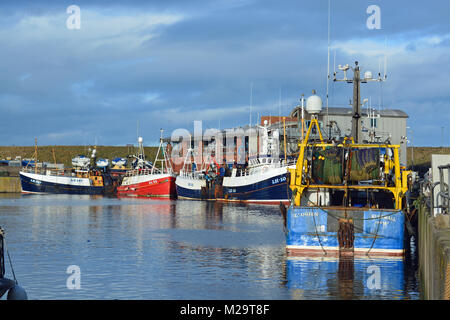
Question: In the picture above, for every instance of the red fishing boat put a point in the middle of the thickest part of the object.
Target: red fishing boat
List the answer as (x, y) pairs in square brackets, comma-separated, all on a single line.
[(149, 179)]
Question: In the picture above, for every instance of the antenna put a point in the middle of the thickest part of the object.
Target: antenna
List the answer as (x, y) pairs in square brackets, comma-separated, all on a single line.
[(251, 102), (385, 58), (356, 81), (279, 105), (328, 58), (137, 129), (334, 62)]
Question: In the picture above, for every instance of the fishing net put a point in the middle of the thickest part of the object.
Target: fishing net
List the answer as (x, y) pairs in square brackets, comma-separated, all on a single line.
[(327, 165), (364, 164)]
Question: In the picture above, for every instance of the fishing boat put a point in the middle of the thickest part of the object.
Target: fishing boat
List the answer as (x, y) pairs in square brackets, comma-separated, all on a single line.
[(81, 161), (119, 162), (348, 197), (148, 179), (118, 169), (202, 184), (81, 180), (102, 163), (264, 180)]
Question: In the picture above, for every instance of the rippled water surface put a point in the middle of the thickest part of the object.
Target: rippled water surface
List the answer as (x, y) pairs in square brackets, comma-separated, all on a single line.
[(161, 249)]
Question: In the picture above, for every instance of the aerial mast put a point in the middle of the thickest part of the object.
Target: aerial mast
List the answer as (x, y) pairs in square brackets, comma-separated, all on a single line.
[(356, 132)]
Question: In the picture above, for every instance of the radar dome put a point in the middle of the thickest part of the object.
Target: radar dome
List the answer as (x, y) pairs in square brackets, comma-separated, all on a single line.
[(140, 139), (368, 75), (314, 104)]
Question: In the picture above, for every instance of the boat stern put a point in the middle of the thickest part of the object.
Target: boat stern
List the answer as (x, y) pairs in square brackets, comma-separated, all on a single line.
[(354, 231)]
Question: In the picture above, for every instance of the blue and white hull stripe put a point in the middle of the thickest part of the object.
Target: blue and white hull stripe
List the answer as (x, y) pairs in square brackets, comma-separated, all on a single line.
[(39, 183), (189, 188), (268, 186)]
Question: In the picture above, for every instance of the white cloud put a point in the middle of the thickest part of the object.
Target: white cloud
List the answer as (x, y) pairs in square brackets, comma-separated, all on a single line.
[(400, 46), (121, 34)]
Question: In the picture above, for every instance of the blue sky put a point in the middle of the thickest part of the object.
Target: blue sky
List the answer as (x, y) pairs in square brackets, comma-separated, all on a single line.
[(167, 63)]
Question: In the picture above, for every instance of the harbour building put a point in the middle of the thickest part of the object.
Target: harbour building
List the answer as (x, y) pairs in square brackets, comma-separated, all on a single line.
[(241, 144), (335, 123)]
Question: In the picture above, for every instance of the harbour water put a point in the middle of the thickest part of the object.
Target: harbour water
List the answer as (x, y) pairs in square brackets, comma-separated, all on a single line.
[(132, 248)]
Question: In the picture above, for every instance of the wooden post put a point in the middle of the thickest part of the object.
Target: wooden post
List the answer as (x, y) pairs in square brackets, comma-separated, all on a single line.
[(35, 155)]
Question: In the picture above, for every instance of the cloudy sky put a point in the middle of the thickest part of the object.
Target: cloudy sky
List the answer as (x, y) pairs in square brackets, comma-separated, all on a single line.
[(145, 65)]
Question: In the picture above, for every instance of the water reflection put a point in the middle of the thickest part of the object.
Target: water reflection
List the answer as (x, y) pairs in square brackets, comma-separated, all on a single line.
[(132, 248), (346, 278)]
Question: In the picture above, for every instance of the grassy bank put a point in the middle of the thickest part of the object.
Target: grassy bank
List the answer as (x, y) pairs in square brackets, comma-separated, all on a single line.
[(64, 154), (422, 156)]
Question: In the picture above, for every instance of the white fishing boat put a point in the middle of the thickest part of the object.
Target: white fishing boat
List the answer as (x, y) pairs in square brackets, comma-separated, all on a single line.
[(196, 184), (265, 178), (81, 161), (102, 163)]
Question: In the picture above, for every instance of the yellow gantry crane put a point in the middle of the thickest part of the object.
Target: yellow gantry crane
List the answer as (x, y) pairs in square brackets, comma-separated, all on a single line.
[(300, 179)]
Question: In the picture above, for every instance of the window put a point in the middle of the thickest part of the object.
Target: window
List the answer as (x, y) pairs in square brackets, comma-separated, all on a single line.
[(373, 123)]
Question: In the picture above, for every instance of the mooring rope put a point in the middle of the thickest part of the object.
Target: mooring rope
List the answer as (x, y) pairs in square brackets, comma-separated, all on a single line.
[(10, 261), (375, 237), (317, 234)]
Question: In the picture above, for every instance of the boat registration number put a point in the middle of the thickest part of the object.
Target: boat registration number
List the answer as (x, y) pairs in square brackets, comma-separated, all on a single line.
[(278, 180), (383, 220), (306, 214)]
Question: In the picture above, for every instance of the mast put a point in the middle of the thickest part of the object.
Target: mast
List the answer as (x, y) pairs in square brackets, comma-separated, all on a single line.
[(356, 132), (303, 117), (328, 57), (35, 155), (251, 102), (54, 157), (356, 117)]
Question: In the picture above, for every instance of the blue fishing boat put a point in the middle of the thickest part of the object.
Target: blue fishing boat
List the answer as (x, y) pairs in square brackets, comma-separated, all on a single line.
[(264, 179), (120, 162), (336, 210), (118, 169), (82, 179), (348, 197), (189, 185), (102, 163), (202, 184), (93, 182), (265, 182)]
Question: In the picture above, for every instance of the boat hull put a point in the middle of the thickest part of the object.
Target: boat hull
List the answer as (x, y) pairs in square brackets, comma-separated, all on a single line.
[(152, 185), (39, 183), (314, 230), (190, 188), (268, 187)]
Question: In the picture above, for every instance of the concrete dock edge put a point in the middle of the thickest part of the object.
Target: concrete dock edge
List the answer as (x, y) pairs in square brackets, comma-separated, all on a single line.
[(434, 254), (10, 185)]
